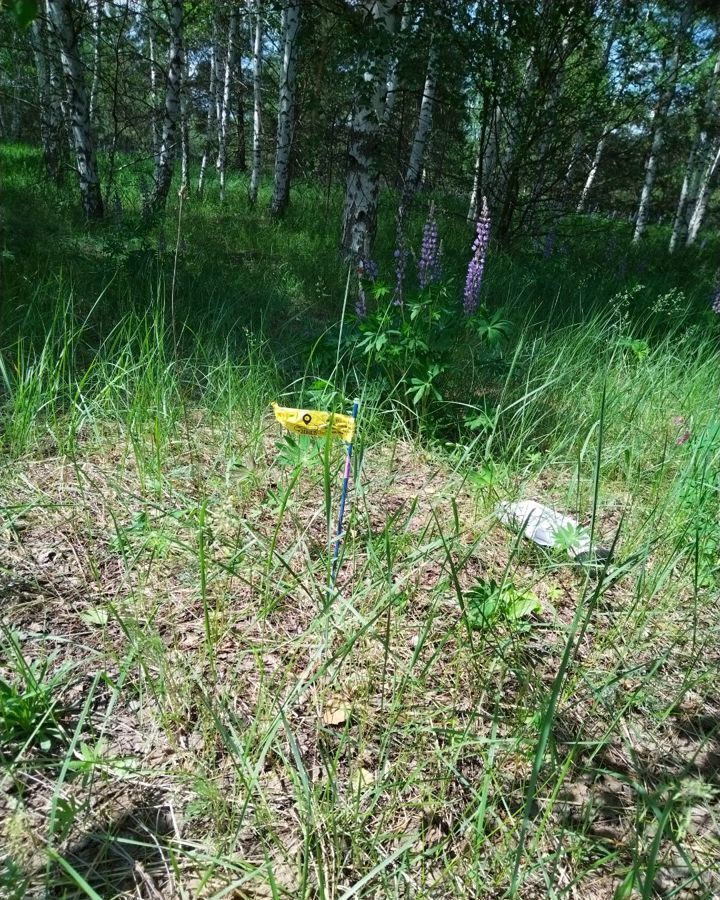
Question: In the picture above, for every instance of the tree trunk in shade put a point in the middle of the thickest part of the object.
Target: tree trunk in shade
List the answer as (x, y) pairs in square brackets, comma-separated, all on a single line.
[(658, 127), (286, 108), (703, 196), (363, 177), (49, 92), (60, 16), (422, 132), (594, 166), (97, 26), (185, 128), (698, 173), (210, 121), (224, 117), (171, 118), (257, 104)]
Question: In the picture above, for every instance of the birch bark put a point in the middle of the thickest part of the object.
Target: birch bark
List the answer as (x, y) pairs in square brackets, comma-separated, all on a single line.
[(224, 117), (51, 136), (210, 121), (286, 108), (424, 126), (660, 112), (257, 104), (703, 196), (60, 17), (171, 117), (363, 177)]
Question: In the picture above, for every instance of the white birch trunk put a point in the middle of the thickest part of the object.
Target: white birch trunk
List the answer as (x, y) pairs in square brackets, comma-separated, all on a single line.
[(422, 132), (286, 108), (592, 174), (50, 110), (475, 189), (703, 196), (185, 128), (212, 90), (613, 11), (393, 82), (363, 183), (171, 117), (60, 16), (658, 139), (658, 135), (700, 166), (220, 164), (257, 105), (219, 81), (97, 26), (679, 229), (153, 80)]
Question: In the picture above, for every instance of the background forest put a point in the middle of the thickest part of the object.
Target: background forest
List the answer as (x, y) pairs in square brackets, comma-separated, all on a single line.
[(495, 225)]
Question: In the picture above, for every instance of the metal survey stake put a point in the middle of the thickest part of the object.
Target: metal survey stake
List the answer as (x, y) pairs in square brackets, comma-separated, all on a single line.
[(343, 498)]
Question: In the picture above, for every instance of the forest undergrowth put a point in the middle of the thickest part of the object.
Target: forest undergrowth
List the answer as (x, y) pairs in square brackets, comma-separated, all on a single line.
[(186, 711)]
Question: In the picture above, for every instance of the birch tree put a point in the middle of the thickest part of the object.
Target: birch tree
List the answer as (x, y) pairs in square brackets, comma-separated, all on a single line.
[(224, 116), (700, 208), (240, 152), (665, 98), (185, 126), (97, 31), (367, 128), (286, 107), (154, 103), (607, 130), (393, 79), (61, 20), (256, 8), (422, 131), (211, 109), (592, 172), (49, 98), (173, 88), (485, 159), (699, 169)]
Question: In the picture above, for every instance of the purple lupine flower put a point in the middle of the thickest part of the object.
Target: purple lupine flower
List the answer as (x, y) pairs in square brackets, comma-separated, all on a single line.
[(400, 255), (715, 305), (361, 303), (476, 267), (429, 266), (367, 270)]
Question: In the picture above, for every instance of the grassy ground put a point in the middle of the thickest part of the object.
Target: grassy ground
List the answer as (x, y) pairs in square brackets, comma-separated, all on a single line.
[(185, 714)]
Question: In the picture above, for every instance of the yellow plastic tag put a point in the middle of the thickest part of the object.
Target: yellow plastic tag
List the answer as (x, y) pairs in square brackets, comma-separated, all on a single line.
[(315, 423)]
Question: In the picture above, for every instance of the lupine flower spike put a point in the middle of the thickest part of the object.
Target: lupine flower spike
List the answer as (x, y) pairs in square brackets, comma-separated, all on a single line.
[(367, 270), (476, 267), (401, 255), (429, 265), (715, 307)]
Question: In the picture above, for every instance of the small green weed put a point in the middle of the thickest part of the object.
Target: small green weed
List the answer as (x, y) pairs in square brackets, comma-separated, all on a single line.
[(29, 715), (489, 603)]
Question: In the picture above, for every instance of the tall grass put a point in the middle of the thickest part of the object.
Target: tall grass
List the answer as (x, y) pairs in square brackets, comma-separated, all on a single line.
[(178, 693)]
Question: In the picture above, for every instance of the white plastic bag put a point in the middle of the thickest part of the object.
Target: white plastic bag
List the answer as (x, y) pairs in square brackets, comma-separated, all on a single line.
[(541, 524)]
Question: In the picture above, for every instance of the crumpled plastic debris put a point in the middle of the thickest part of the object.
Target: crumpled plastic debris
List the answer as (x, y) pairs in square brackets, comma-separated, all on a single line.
[(548, 528)]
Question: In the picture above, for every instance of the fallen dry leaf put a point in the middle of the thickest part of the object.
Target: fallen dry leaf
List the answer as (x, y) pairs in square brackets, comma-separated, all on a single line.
[(337, 713), (362, 779)]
